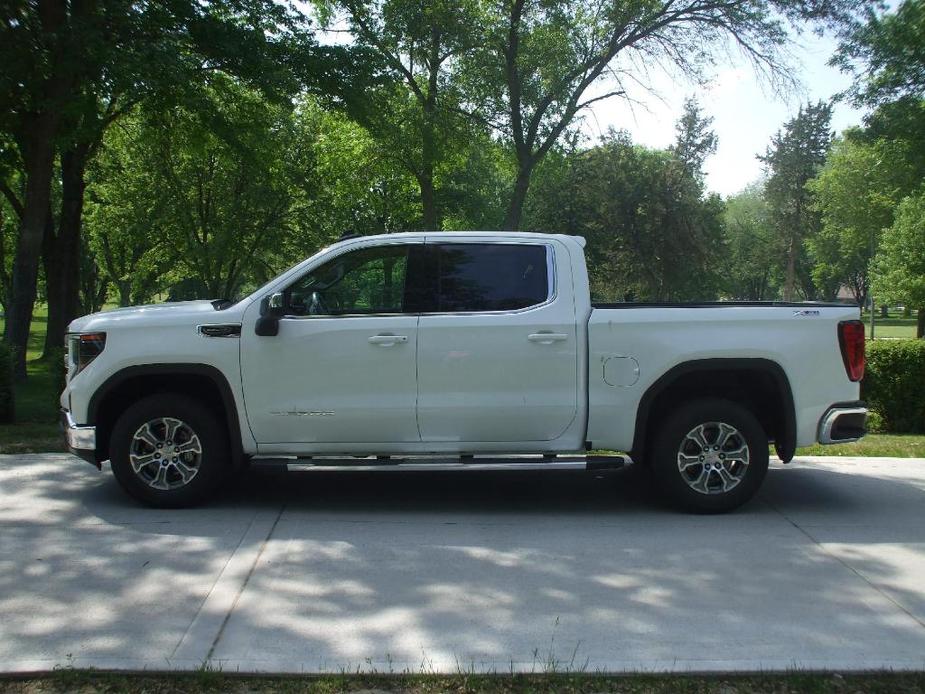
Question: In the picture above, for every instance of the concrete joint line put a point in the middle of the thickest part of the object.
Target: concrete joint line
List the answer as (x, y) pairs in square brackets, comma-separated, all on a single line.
[(202, 636), (877, 589)]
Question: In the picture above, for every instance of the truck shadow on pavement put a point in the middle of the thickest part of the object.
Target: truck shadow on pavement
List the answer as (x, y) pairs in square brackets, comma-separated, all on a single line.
[(445, 571)]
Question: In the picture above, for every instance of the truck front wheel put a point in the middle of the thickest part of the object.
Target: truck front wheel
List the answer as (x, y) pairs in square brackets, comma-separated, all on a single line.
[(710, 456), (169, 451)]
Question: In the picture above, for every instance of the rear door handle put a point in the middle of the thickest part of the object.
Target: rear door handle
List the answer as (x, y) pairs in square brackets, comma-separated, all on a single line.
[(547, 338), (387, 340)]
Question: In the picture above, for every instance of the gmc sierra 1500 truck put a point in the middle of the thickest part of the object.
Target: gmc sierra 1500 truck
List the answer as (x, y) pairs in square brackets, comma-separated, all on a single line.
[(457, 344)]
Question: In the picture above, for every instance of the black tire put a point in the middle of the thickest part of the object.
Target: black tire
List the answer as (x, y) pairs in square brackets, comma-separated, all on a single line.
[(211, 464), (720, 468)]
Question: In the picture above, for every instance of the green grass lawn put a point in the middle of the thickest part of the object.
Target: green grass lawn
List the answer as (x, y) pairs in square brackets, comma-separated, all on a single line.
[(892, 327), (882, 445)]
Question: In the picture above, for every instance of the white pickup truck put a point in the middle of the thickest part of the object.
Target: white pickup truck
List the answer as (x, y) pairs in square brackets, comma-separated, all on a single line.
[(397, 348)]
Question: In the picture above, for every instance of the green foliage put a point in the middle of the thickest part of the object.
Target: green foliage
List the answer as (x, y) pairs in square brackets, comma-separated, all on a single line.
[(9, 225), (416, 116), (889, 53), (7, 400), (893, 384), (352, 186), (797, 153), (695, 140), (752, 271), (856, 192), (899, 268), (204, 194), (652, 235)]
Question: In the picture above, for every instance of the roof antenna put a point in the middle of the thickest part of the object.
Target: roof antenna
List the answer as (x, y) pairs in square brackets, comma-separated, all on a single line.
[(347, 235)]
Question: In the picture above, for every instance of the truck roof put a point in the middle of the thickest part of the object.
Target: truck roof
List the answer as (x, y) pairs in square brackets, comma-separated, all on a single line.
[(531, 235)]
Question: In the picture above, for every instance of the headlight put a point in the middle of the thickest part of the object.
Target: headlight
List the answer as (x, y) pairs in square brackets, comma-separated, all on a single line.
[(83, 348)]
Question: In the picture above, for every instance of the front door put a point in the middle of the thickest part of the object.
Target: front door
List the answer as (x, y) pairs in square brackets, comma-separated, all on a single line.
[(498, 354), (342, 368)]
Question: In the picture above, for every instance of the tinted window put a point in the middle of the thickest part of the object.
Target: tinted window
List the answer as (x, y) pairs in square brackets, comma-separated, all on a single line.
[(369, 280), (491, 276)]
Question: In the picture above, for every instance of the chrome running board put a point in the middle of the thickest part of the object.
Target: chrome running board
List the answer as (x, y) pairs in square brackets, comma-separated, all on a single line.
[(433, 464)]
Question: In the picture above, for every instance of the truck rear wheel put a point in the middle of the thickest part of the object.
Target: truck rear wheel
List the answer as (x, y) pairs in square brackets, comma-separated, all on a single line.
[(169, 451), (710, 456)]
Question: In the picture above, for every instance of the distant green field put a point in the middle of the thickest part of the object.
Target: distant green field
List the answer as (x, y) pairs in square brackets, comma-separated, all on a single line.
[(893, 327)]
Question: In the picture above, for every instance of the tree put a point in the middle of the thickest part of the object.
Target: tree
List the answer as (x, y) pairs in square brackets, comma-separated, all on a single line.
[(695, 141), (533, 69), (124, 206), (652, 235), (796, 154), (222, 191), (751, 271), (856, 193), (351, 186), (899, 268), (71, 69), (887, 55), (416, 115)]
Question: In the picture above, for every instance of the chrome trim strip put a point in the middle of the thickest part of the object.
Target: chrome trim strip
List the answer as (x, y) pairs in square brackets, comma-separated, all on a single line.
[(828, 423), (222, 329), (551, 279), (81, 438), (435, 467)]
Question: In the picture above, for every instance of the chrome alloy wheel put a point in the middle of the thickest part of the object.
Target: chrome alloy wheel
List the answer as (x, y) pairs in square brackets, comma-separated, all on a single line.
[(713, 458), (165, 453)]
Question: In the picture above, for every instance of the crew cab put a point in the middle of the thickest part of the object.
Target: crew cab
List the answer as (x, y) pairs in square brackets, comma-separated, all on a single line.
[(463, 349)]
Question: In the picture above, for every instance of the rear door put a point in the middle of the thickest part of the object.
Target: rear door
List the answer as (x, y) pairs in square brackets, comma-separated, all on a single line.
[(497, 354)]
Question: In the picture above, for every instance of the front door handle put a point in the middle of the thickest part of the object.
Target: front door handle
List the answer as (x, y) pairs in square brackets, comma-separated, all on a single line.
[(387, 340), (547, 338)]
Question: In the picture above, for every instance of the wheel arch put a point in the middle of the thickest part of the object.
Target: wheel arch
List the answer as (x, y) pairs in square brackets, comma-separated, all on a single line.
[(759, 384), (202, 382)]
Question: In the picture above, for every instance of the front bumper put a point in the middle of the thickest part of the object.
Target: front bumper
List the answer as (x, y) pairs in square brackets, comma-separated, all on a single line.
[(843, 423), (81, 440)]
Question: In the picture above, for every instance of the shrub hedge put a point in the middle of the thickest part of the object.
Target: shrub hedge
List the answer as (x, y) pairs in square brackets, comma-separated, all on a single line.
[(894, 384), (7, 408)]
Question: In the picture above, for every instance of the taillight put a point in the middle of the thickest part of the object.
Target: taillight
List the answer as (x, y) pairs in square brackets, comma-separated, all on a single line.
[(851, 341), (84, 348)]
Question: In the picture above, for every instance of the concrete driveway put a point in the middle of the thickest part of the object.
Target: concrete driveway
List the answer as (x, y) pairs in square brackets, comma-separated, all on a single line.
[(309, 571)]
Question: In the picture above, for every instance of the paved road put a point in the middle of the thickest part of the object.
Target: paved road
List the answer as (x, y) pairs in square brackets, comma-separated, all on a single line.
[(443, 571)]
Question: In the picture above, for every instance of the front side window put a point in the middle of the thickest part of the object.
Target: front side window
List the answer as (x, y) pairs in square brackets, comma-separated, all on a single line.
[(491, 276), (365, 281)]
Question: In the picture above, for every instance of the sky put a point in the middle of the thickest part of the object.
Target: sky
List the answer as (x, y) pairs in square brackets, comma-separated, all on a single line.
[(746, 113)]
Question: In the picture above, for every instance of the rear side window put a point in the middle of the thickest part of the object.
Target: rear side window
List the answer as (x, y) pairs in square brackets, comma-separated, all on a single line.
[(490, 276)]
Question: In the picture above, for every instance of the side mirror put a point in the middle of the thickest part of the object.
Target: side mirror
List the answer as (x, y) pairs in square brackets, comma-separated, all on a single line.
[(271, 310), (275, 304)]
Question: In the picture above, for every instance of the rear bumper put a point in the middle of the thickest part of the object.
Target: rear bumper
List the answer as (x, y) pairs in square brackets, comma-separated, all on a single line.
[(843, 423), (81, 440)]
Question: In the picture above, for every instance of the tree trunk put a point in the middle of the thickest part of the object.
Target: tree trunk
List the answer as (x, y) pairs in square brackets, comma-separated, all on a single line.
[(38, 154), (125, 292), (61, 251), (790, 279), (431, 217), (920, 324), (516, 207)]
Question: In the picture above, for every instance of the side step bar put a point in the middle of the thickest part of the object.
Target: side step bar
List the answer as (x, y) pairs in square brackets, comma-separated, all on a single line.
[(596, 463)]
